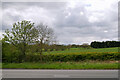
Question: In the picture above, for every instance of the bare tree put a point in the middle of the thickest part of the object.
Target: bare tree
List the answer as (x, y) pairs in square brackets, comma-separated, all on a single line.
[(45, 36)]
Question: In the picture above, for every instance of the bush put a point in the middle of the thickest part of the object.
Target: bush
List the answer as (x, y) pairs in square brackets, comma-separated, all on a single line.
[(9, 53)]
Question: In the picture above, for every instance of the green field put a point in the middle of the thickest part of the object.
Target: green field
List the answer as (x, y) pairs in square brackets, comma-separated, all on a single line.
[(63, 65), (77, 50)]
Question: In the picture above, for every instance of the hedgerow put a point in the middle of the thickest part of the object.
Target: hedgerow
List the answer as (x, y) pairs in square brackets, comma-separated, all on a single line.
[(74, 57)]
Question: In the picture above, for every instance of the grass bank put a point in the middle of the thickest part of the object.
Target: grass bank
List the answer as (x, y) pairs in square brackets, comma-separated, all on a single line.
[(63, 65)]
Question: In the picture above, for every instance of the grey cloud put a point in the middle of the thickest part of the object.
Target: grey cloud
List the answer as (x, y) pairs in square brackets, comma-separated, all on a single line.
[(75, 28), (74, 19), (25, 5)]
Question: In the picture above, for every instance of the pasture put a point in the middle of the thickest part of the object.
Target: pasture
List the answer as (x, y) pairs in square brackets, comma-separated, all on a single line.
[(78, 50)]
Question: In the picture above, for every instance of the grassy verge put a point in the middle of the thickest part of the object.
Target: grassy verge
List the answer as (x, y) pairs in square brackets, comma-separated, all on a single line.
[(63, 65)]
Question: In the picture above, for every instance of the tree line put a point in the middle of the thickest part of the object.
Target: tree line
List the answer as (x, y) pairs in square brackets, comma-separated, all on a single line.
[(105, 44)]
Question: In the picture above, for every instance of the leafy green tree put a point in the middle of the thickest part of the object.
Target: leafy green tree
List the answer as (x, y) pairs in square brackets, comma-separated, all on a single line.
[(0, 50), (22, 34)]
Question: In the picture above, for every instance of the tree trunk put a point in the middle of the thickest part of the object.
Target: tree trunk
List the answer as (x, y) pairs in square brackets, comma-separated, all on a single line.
[(24, 51), (22, 56), (41, 56), (41, 46)]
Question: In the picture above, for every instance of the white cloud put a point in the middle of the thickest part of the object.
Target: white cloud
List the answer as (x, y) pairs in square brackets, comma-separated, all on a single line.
[(93, 19), (105, 31), (68, 15), (81, 13)]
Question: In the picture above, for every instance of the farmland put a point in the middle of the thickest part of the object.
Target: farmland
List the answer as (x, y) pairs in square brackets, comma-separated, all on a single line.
[(76, 54), (78, 50)]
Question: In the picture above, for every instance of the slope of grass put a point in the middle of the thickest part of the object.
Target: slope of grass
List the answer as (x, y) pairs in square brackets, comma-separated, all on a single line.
[(63, 65), (77, 50)]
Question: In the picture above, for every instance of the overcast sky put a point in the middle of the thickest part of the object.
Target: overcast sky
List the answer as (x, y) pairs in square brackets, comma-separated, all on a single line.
[(73, 22)]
